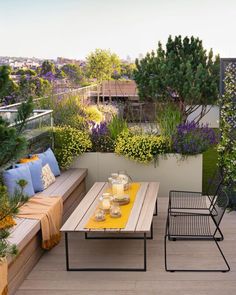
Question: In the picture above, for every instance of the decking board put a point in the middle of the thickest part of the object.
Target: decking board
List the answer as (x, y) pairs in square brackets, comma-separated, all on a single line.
[(50, 276)]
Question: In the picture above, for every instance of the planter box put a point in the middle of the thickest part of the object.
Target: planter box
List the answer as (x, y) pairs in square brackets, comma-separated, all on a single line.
[(171, 171)]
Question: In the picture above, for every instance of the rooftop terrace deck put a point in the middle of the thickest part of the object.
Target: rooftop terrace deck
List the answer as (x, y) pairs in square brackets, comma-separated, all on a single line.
[(50, 277)]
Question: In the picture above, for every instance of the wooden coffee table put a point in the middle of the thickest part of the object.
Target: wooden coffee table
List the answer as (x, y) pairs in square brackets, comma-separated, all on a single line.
[(140, 221)]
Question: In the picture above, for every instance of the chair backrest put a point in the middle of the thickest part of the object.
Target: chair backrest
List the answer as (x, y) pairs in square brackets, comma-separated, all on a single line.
[(214, 184), (220, 204)]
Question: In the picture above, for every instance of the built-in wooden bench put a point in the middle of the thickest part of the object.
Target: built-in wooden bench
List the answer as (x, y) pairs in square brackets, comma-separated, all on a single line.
[(70, 185)]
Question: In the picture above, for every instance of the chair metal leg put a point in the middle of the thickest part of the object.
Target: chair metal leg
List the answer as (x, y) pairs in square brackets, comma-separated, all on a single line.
[(195, 270), (221, 238), (223, 256)]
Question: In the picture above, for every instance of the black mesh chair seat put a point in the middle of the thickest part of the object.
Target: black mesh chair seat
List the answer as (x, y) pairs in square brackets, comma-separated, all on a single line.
[(188, 200), (182, 225)]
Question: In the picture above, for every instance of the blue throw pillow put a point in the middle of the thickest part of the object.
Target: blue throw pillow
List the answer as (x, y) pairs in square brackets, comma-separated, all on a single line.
[(35, 168), (12, 176), (48, 157)]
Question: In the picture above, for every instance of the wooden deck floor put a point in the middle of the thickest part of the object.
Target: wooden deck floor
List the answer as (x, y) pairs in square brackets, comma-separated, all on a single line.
[(50, 277)]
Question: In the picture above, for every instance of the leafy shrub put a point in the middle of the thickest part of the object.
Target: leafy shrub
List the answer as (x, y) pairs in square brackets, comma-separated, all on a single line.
[(93, 114), (116, 126), (67, 111), (70, 142), (227, 147), (101, 140), (108, 111), (192, 139), (168, 118), (142, 148)]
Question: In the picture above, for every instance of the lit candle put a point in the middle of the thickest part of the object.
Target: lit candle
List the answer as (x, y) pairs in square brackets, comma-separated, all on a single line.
[(106, 204), (118, 189)]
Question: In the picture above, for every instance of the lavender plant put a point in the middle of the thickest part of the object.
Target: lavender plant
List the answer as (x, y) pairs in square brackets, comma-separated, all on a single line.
[(101, 140), (192, 138)]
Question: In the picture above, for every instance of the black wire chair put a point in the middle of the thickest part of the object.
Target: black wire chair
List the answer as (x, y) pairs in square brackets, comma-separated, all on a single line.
[(197, 226), (189, 201), (196, 200)]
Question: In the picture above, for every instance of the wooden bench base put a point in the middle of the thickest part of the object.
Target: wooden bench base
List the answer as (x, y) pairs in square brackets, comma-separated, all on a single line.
[(27, 234)]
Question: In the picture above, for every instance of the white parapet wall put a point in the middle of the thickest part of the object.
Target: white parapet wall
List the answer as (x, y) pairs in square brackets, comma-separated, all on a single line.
[(172, 171)]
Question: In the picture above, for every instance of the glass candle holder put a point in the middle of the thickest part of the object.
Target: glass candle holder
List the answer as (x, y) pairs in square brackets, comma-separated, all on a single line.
[(115, 210), (99, 215), (114, 175), (105, 202), (124, 178)]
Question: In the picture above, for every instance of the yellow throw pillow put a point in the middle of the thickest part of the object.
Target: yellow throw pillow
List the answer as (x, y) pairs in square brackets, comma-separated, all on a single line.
[(27, 160), (47, 176)]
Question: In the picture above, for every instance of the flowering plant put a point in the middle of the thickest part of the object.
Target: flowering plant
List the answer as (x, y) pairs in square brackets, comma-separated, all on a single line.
[(227, 146), (192, 138), (140, 147), (100, 137)]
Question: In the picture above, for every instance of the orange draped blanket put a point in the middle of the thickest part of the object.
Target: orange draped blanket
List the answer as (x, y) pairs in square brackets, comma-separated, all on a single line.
[(49, 211)]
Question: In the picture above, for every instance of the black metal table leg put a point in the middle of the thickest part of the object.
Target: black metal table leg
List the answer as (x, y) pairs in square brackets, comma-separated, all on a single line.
[(67, 251), (156, 209), (145, 252), (144, 268)]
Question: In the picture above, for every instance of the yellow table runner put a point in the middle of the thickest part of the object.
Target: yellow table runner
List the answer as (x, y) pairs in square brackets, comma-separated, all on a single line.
[(125, 212)]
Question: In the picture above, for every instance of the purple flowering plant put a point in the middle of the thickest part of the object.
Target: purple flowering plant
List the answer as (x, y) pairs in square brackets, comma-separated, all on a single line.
[(192, 138), (100, 137)]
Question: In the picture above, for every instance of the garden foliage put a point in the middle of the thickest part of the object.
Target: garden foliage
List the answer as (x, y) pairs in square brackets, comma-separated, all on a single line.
[(183, 73), (102, 64), (93, 114), (8, 209), (168, 118), (67, 111), (116, 126), (101, 139), (192, 138), (69, 143), (13, 144), (227, 146), (142, 148)]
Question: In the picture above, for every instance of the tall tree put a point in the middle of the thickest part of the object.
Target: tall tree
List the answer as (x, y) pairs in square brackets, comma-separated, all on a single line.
[(13, 144), (47, 67), (73, 72), (7, 85), (183, 73), (101, 65)]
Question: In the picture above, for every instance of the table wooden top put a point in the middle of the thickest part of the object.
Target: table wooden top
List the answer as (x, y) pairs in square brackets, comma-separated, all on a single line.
[(140, 218)]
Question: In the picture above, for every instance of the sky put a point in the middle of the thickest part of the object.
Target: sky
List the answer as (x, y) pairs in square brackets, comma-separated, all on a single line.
[(74, 28)]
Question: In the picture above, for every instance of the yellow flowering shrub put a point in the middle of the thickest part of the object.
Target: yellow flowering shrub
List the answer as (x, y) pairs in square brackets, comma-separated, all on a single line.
[(142, 148), (93, 114), (70, 142)]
